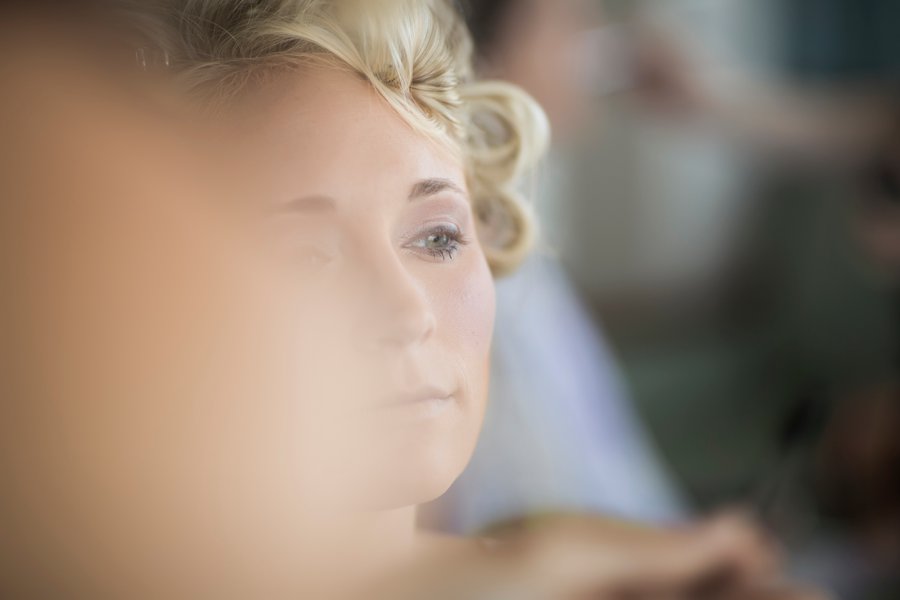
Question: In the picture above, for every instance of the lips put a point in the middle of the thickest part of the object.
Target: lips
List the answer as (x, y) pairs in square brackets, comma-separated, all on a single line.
[(423, 395)]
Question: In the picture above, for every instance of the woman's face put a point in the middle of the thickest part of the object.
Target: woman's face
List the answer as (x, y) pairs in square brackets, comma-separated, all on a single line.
[(373, 222), (196, 384)]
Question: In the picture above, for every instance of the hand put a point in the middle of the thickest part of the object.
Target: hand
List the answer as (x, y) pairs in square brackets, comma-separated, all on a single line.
[(573, 557)]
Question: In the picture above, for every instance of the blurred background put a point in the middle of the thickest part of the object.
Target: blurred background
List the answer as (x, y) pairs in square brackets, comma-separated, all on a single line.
[(711, 319)]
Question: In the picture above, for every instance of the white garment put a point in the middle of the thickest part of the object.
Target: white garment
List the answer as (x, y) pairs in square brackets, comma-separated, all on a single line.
[(560, 432)]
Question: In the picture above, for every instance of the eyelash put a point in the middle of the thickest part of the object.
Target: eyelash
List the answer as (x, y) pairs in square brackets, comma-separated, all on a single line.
[(456, 241)]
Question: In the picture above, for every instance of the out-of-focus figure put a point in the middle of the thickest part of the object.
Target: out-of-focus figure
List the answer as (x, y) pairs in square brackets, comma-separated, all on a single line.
[(821, 133)]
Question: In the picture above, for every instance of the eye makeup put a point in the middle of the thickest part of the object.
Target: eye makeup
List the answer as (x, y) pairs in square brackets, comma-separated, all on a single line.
[(442, 242), (437, 227)]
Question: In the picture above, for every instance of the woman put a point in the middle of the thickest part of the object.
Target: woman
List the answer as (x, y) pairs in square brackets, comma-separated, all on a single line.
[(244, 363)]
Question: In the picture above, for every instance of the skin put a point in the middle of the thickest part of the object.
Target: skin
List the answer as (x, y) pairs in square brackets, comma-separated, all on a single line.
[(376, 219), (143, 329)]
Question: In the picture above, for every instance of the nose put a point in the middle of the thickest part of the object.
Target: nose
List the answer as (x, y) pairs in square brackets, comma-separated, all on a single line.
[(401, 314)]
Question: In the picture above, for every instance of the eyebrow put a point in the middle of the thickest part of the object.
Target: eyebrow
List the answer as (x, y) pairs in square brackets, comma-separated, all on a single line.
[(431, 187), (320, 203)]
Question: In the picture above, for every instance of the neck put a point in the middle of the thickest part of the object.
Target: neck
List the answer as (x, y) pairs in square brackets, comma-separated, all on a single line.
[(384, 537), (360, 549)]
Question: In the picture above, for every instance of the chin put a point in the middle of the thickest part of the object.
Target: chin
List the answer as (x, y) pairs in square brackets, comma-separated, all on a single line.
[(423, 462), (433, 473)]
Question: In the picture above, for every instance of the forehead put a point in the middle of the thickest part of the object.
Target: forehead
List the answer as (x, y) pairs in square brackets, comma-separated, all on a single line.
[(328, 128)]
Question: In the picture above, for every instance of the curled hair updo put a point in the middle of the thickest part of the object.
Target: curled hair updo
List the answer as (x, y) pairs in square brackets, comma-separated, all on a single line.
[(416, 54)]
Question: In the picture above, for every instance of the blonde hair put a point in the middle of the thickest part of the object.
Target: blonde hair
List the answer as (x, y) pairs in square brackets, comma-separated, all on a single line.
[(417, 54)]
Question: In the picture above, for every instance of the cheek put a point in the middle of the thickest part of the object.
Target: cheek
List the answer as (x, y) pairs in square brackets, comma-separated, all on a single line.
[(412, 465), (465, 310)]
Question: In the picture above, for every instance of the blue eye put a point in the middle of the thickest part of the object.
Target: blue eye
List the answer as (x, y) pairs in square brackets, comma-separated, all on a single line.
[(442, 242)]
